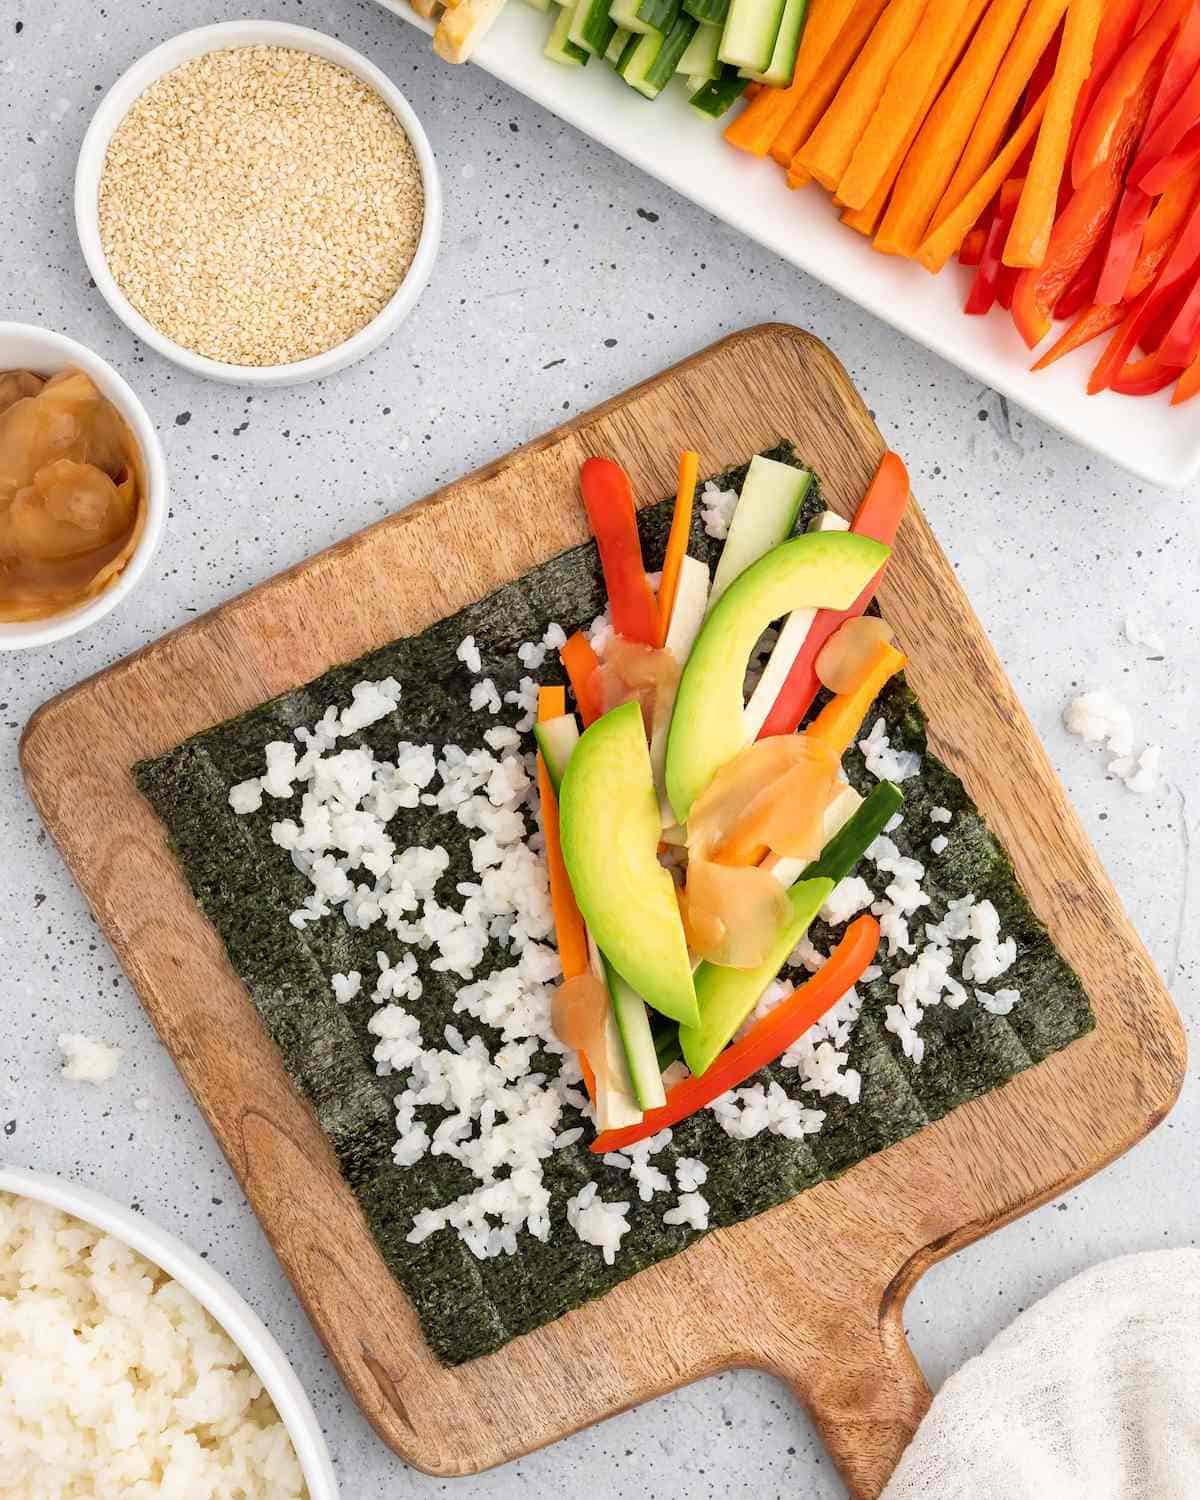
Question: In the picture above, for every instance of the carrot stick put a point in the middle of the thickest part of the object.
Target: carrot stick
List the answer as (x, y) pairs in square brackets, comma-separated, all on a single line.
[(866, 219), (952, 230), (827, 152), (841, 718), (838, 61), (677, 541), (756, 127), (930, 164), (580, 663), (569, 931), (1029, 237), (904, 100), (1189, 384), (1032, 38)]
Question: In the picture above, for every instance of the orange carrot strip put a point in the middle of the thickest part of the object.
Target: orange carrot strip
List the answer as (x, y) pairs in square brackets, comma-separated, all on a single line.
[(866, 219), (1029, 236), (841, 718), (677, 541), (580, 663), (1189, 384), (837, 63), (756, 127), (827, 152), (952, 230), (570, 933), (569, 930), (904, 100), (930, 164), (1033, 37)]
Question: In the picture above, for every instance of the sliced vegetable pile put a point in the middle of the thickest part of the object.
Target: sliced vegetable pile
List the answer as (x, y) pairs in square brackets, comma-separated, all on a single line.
[(1052, 145), (693, 835)]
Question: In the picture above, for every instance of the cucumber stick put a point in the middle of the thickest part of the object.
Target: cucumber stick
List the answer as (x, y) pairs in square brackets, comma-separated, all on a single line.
[(625, 15), (542, 5), (637, 1040), (712, 12), (751, 27), (674, 44), (719, 95), (700, 56), (764, 516), (559, 46), (778, 72), (640, 51), (592, 27), (612, 53), (556, 738)]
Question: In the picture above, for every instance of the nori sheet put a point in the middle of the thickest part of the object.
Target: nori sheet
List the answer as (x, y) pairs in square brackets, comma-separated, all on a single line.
[(246, 886)]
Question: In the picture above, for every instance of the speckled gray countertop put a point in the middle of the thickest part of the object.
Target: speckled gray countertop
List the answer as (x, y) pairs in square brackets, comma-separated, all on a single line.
[(1053, 547)]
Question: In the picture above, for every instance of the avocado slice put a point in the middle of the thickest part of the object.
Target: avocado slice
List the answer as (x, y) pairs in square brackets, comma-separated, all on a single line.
[(609, 826), (727, 996), (820, 570)]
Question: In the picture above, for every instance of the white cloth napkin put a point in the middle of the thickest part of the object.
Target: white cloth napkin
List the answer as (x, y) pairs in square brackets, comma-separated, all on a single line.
[(1093, 1394)]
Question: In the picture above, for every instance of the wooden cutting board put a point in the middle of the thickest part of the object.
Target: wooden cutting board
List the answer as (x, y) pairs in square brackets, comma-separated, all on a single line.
[(813, 1290)]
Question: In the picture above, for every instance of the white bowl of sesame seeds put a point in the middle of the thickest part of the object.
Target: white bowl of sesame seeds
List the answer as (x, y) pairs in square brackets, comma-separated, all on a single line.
[(258, 202)]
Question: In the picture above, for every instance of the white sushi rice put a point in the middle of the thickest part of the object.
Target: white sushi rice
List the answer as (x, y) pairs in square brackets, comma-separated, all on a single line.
[(489, 1110), (884, 763), (716, 509), (86, 1059), (115, 1382)]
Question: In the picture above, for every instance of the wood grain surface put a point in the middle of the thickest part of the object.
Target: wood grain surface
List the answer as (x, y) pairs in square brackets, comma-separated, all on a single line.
[(812, 1290)]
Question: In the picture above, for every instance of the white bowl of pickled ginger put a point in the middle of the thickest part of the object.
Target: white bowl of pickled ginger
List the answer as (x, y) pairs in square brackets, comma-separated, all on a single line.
[(83, 487)]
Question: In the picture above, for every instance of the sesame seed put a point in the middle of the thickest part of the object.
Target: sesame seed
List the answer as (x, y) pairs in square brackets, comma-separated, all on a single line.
[(260, 205)]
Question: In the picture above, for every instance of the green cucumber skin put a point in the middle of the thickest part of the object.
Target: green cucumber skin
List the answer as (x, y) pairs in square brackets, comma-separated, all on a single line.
[(711, 11), (851, 842), (719, 94), (675, 44), (559, 47), (592, 28), (751, 28), (616, 45), (638, 59), (700, 58), (624, 13), (836, 861), (660, 14), (778, 72), (637, 1040)]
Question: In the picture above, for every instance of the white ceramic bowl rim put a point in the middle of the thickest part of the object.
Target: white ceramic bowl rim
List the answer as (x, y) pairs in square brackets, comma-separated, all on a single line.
[(213, 1292), (44, 351), (250, 33)]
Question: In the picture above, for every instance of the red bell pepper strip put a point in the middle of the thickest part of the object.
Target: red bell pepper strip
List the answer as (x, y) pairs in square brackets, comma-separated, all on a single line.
[(608, 500), (1162, 173), (877, 516), (1177, 104), (971, 252), (1189, 384), (1179, 345), (1142, 377), (768, 1039), (1117, 26), (1098, 135), (985, 283), (1178, 268), (1082, 291), (1124, 246), (1084, 221)]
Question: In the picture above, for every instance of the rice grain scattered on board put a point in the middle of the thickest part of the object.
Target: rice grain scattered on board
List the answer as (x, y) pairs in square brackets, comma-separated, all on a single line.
[(260, 205)]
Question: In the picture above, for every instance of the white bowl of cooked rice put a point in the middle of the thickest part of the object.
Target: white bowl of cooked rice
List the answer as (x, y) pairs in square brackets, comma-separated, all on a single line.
[(188, 1395), (258, 203)]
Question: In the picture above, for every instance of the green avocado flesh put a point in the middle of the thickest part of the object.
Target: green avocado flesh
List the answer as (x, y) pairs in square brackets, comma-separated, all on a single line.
[(610, 826), (821, 570), (246, 885), (727, 996)]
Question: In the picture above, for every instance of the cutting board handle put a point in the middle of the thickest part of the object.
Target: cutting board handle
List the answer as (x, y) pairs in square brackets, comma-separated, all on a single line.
[(865, 1392)]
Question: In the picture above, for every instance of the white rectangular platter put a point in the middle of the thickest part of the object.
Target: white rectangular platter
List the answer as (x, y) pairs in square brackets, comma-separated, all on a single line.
[(1144, 435)]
